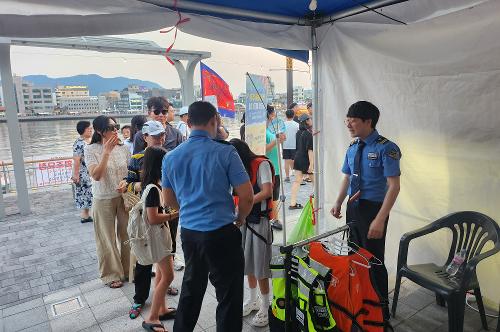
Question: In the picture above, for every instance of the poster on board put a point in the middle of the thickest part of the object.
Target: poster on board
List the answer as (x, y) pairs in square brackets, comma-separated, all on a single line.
[(255, 115)]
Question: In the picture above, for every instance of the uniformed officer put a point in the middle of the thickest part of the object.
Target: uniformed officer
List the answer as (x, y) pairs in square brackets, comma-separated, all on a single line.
[(198, 177), (371, 179)]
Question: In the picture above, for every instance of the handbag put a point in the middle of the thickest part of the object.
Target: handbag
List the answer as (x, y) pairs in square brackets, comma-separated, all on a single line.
[(148, 243), (130, 199)]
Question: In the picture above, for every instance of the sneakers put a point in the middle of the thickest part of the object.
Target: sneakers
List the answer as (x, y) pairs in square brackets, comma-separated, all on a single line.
[(85, 220), (275, 223), (260, 319), (248, 307), (178, 264)]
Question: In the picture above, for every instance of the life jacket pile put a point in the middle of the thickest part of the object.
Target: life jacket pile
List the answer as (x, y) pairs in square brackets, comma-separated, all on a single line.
[(329, 292)]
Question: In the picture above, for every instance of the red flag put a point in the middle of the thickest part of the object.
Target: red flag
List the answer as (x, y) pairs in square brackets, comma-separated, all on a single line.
[(213, 85)]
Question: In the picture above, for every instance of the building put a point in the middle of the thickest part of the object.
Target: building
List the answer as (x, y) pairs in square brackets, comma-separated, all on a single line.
[(130, 101), (68, 91), (298, 94), (308, 95), (79, 104), (33, 99), (112, 98)]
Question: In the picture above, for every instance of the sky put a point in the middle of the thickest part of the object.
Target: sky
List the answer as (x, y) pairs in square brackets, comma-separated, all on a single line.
[(230, 61)]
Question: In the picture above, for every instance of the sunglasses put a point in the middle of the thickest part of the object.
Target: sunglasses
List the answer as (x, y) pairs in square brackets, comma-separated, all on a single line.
[(157, 112), (113, 127)]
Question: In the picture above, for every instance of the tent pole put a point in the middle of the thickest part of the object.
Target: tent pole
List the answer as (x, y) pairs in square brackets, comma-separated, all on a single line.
[(13, 126), (317, 129)]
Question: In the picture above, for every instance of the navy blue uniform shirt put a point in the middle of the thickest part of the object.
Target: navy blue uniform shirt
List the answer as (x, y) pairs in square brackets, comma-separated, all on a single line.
[(379, 160)]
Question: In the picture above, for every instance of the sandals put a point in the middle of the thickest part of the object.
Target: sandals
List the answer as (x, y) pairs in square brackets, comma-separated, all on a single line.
[(297, 206), (115, 284), (260, 319), (169, 315), (85, 220), (248, 307), (152, 327), (172, 291), (135, 311)]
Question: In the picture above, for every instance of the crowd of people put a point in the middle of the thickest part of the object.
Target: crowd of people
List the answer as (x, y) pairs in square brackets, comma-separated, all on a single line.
[(225, 195)]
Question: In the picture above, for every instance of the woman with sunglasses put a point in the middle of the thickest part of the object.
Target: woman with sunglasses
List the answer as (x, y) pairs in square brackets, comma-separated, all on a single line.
[(106, 158)]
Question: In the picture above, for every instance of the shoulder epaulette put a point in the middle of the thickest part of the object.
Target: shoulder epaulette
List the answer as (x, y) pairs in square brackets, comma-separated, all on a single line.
[(382, 140), (138, 156), (222, 141), (354, 141)]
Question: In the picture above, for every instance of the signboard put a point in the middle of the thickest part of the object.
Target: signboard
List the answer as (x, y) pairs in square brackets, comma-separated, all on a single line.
[(48, 173), (255, 115)]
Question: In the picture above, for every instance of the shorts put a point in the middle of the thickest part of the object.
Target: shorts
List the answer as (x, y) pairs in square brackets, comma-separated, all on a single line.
[(276, 189), (289, 154)]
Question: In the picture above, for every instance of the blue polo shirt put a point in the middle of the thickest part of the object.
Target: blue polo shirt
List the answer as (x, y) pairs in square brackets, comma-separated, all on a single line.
[(379, 160), (202, 173)]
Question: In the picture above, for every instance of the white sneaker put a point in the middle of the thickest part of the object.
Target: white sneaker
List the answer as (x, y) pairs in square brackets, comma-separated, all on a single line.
[(248, 307), (178, 264), (261, 318)]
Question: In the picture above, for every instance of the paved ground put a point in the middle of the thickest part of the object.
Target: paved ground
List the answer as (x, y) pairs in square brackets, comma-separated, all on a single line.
[(48, 257)]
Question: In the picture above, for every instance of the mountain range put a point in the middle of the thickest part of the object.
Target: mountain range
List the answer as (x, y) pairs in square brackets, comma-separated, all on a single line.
[(96, 83)]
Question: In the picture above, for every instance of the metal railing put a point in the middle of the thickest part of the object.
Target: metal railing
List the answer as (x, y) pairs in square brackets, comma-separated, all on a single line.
[(39, 173)]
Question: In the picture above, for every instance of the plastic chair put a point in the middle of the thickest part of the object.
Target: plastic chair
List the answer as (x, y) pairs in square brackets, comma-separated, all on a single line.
[(471, 231)]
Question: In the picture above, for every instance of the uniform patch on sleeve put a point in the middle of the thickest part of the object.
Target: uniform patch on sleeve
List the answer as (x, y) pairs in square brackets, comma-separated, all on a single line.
[(394, 154)]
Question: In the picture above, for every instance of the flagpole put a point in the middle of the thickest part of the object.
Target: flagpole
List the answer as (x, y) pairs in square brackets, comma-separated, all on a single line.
[(282, 198)]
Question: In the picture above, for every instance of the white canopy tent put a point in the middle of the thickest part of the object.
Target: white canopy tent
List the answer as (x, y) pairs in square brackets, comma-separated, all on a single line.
[(435, 79)]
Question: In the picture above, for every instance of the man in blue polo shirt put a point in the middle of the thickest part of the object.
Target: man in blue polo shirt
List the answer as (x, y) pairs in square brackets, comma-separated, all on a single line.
[(199, 177), (371, 179)]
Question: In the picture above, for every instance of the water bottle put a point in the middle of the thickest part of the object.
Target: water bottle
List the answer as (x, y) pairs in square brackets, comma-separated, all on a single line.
[(457, 261)]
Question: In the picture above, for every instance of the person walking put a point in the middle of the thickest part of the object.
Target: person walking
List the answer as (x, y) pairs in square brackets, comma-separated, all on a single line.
[(81, 177), (106, 159), (272, 151), (256, 233), (198, 177), (304, 158), (290, 143), (159, 236), (371, 179)]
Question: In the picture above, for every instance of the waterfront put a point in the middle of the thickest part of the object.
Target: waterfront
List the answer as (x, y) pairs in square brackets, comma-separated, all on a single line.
[(47, 139)]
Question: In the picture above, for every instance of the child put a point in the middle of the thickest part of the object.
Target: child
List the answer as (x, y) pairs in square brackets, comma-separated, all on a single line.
[(160, 235), (256, 233)]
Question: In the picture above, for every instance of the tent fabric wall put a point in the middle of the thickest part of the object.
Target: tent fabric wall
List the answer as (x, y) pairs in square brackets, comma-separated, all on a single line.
[(437, 85)]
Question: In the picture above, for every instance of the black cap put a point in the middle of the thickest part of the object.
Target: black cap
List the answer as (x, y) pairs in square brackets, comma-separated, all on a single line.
[(304, 117)]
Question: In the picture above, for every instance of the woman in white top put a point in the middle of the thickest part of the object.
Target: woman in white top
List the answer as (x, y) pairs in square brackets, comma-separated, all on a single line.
[(106, 160)]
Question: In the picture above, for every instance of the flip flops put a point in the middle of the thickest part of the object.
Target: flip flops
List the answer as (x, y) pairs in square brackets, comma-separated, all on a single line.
[(151, 327), (169, 315)]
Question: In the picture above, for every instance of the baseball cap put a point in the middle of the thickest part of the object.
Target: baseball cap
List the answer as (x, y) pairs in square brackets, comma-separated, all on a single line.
[(304, 117), (183, 110), (153, 128)]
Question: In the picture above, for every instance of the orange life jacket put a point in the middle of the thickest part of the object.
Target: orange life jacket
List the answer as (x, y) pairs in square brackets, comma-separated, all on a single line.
[(257, 212), (354, 301)]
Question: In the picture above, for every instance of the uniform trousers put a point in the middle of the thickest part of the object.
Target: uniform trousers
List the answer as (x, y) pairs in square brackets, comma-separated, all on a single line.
[(110, 227), (216, 255), (359, 216)]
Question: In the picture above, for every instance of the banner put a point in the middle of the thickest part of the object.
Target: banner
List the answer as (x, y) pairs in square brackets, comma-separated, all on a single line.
[(255, 115), (216, 91), (54, 172)]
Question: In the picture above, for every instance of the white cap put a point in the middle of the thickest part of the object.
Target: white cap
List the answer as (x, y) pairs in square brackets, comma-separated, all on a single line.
[(183, 110), (153, 128)]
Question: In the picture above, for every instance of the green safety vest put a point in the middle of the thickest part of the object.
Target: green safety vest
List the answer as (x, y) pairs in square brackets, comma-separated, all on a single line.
[(278, 280), (313, 311)]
